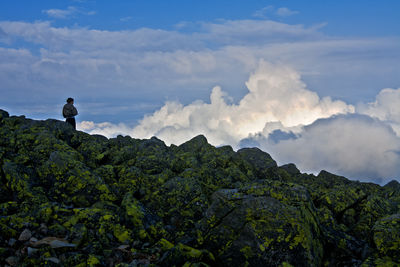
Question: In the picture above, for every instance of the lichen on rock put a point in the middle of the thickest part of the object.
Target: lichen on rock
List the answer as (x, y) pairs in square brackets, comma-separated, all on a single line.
[(68, 198)]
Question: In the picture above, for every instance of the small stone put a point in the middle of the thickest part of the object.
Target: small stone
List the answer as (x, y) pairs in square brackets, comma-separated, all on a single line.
[(33, 240), (60, 244), (12, 242), (31, 251), (140, 262), (53, 242), (43, 229), (13, 261), (53, 259), (25, 235), (123, 247)]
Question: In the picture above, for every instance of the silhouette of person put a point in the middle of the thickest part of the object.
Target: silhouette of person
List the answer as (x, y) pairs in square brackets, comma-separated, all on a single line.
[(69, 112)]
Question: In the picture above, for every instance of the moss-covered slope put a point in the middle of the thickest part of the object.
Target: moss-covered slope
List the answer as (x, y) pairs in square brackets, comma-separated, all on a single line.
[(71, 199)]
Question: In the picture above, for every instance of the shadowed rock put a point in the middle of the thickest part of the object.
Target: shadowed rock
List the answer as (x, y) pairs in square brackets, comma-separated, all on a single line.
[(69, 198)]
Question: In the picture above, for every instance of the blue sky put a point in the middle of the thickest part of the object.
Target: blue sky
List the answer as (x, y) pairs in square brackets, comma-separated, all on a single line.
[(240, 72), (343, 20), (355, 18)]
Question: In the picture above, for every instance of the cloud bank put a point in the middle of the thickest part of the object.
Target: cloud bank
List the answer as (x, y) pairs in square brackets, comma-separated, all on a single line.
[(280, 115), (121, 75), (355, 146), (275, 94), (43, 64)]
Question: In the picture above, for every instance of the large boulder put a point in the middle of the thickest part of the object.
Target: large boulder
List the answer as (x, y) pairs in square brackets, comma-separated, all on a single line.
[(387, 236), (3, 114), (264, 225), (260, 160)]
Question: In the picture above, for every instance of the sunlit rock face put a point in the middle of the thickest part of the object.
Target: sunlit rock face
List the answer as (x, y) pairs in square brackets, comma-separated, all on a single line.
[(69, 198)]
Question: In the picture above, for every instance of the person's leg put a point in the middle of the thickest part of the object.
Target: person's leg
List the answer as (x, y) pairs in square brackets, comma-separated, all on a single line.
[(72, 122)]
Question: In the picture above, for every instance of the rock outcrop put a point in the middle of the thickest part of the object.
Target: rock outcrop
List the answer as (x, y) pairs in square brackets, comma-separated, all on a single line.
[(71, 199)]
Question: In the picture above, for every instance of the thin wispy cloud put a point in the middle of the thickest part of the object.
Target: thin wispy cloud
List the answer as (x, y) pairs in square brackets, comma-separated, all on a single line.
[(221, 53), (262, 13), (71, 11), (125, 19), (285, 12), (270, 10), (61, 13)]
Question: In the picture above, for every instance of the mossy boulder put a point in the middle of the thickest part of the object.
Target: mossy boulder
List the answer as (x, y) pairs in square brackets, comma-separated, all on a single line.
[(291, 169), (387, 236), (267, 224), (3, 114), (260, 160)]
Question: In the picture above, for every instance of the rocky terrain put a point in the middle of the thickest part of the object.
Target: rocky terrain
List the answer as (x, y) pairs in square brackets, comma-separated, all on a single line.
[(72, 199)]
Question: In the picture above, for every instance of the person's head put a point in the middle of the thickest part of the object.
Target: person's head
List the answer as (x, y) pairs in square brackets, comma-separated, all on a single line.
[(70, 100)]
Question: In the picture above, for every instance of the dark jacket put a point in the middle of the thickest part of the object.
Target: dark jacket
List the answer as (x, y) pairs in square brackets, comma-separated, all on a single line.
[(69, 111)]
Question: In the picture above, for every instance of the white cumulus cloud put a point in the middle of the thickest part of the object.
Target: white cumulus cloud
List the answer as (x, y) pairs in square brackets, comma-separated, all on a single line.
[(275, 94), (319, 133), (386, 108), (355, 146), (105, 128)]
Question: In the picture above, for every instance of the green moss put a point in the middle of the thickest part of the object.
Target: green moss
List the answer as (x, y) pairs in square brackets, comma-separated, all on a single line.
[(172, 205), (247, 252), (121, 233), (165, 244), (92, 260), (385, 262), (133, 210), (107, 217), (105, 193), (189, 251), (387, 236)]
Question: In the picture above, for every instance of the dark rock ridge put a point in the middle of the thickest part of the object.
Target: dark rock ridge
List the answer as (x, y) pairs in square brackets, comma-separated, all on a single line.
[(72, 199)]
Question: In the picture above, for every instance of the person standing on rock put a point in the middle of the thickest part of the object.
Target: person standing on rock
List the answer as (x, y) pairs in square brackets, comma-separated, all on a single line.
[(69, 112)]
